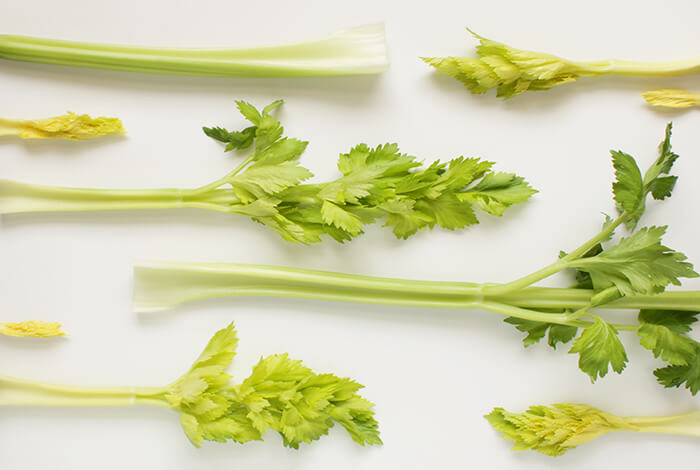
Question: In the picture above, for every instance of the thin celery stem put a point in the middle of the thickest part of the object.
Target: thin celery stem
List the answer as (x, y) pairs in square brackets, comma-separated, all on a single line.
[(19, 392), (558, 265), (221, 181), (8, 127), (644, 69), (686, 423)]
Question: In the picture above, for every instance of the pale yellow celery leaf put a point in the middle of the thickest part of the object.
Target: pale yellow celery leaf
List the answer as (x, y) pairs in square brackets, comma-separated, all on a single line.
[(552, 430), (672, 98), (32, 329), (68, 126), (192, 429)]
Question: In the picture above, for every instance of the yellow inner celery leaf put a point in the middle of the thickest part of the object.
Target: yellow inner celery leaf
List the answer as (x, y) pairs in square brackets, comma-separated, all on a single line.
[(68, 126), (32, 329)]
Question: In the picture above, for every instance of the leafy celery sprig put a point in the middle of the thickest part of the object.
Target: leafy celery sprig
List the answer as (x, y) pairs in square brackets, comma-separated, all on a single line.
[(267, 187), (553, 430), (280, 394), (513, 71), (631, 273)]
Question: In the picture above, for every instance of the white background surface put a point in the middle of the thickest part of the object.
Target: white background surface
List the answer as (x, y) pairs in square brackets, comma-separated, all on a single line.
[(433, 374)]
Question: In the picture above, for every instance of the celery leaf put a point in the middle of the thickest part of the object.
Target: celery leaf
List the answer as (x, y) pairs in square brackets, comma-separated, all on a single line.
[(599, 349)]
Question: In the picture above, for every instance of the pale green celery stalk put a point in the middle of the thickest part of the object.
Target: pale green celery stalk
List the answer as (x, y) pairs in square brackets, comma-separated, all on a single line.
[(686, 423), (159, 285), (554, 430), (23, 392), (17, 197), (359, 50), (641, 69)]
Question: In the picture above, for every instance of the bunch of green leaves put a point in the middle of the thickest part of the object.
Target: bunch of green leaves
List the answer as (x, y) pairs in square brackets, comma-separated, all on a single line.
[(637, 265), (376, 183), (280, 394)]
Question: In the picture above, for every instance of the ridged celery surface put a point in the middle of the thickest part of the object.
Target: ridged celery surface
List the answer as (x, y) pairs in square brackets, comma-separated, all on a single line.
[(628, 273), (377, 183), (359, 50), (554, 430), (513, 71), (281, 394)]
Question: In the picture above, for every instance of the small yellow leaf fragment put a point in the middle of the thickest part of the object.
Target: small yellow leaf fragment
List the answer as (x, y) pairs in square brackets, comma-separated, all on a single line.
[(672, 98), (32, 329), (68, 126)]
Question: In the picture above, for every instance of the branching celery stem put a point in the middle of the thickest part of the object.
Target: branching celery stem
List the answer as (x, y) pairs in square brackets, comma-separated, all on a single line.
[(162, 285), (359, 50), (516, 298)]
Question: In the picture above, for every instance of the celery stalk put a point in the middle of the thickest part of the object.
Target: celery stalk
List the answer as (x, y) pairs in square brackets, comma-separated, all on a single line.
[(358, 50)]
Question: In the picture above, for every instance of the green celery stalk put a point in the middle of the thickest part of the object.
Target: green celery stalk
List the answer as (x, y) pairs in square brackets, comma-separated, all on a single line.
[(359, 50)]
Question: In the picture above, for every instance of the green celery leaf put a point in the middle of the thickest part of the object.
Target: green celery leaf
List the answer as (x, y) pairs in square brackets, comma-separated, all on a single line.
[(682, 375), (258, 208), (628, 189), (537, 330), (235, 426), (663, 333), (269, 130), (638, 264), (249, 112), (344, 220), (384, 160), (270, 107), (461, 172), (408, 223), (234, 139), (498, 191), (661, 187), (280, 151), (599, 348), (671, 347), (448, 211), (263, 180), (192, 429), (560, 334), (675, 320)]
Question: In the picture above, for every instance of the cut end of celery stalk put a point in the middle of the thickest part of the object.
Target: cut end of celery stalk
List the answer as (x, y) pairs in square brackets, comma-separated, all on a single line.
[(161, 285)]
